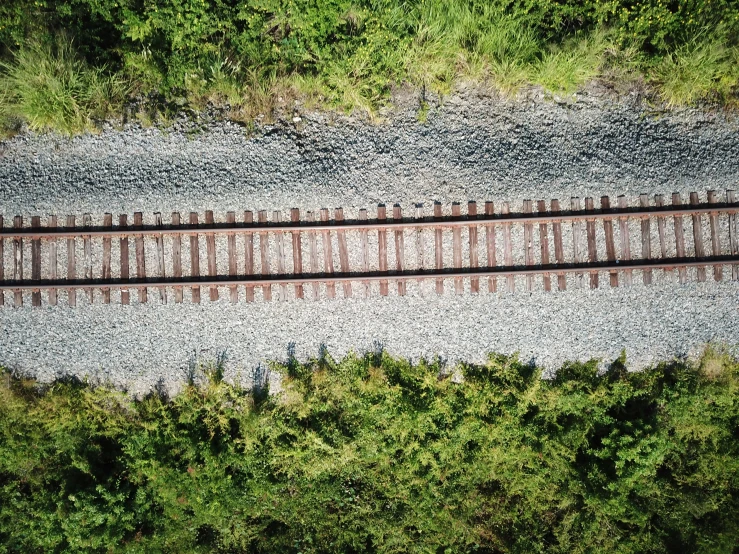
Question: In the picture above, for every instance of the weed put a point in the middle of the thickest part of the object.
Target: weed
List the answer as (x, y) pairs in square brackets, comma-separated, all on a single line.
[(422, 114)]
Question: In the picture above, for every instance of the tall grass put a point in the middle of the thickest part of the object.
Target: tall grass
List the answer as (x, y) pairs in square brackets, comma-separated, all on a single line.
[(453, 42), (49, 87), (349, 56), (703, 68)]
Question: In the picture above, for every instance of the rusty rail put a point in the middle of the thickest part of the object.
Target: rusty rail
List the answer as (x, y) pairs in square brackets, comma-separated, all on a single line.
[(352, 225)]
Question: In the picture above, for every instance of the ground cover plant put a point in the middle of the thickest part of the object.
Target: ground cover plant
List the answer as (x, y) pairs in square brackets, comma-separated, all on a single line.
[(252, 55), (374, 454)]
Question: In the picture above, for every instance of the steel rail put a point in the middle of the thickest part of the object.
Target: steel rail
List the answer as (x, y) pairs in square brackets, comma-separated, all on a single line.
[(218, 228), (373, 276)]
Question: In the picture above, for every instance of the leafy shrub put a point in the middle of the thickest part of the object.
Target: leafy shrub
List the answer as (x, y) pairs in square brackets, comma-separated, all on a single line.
[(659, 25), (24, 21), (665, 26), (374, 454)]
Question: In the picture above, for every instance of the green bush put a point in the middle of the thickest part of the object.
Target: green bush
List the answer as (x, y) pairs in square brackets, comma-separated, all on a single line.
[(373, 454), (664, 26)]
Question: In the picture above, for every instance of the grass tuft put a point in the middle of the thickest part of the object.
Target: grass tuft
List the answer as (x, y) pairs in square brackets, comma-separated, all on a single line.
[(430, 62), (565, 68), (698, 71), (50, 88)]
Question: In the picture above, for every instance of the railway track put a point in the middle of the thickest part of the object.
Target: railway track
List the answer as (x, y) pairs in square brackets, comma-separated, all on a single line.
[(250, 256)]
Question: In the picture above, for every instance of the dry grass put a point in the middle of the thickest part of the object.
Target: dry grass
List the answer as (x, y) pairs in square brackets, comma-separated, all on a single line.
[(715, 362)]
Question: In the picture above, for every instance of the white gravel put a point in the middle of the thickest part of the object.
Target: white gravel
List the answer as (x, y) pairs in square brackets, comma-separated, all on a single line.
[(471, 148)]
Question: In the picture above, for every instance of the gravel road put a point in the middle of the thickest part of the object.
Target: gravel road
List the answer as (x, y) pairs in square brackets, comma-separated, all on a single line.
[(471, 147)]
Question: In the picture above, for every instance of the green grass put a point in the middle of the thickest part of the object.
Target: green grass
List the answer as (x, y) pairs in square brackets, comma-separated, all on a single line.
[(50, 88), (374, 454), (349, 55), (566, 68), (698, 71)]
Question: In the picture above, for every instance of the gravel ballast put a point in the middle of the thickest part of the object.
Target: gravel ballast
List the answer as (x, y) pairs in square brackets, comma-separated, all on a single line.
[(472, 147), (137, 345)]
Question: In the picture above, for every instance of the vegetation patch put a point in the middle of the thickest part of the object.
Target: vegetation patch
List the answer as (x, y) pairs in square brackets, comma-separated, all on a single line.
[(49, 87), (375, 454), (251, 56)]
